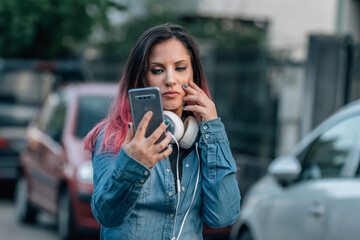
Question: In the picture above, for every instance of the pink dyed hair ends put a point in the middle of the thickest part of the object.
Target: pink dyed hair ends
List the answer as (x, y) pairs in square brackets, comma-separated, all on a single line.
[(115, 124)]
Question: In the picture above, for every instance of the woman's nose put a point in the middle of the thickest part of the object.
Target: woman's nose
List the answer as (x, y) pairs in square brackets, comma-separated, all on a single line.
[(170, 78)]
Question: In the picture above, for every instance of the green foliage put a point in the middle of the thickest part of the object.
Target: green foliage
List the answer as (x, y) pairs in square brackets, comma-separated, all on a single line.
[(226, 34), (49, 28), (59, 28)]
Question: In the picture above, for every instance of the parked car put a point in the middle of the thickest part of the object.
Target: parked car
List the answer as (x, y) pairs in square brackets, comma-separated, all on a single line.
[(24, 86), (56, 170), (313, 193)]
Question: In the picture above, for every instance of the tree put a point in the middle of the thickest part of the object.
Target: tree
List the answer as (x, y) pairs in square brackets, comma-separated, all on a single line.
[(226, 34), (50, 28)]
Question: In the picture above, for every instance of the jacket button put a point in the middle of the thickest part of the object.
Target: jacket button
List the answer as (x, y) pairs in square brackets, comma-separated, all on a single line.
[(146, 173), (205, 127), (207, 136), (170, 194)]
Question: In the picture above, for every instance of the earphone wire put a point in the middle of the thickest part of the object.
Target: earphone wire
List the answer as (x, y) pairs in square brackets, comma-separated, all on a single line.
[(177, 184), (193, 197)]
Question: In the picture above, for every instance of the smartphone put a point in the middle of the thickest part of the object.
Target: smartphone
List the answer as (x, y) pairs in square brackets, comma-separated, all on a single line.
[(143, 100)]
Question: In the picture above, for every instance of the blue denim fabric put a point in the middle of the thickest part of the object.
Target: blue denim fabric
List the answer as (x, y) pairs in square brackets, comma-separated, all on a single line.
[(131, 201)]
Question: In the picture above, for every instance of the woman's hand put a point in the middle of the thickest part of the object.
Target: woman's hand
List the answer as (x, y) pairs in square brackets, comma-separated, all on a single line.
[(199, 103), (144, 149)]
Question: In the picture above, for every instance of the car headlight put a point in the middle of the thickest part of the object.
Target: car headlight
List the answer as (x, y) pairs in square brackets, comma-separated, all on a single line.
[(85, 173)]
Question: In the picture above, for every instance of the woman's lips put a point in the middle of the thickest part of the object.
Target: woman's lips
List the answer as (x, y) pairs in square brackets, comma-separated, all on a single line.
[(171, 94)]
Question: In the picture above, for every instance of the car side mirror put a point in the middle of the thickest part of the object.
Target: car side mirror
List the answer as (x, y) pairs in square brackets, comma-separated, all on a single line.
[(285, 169)]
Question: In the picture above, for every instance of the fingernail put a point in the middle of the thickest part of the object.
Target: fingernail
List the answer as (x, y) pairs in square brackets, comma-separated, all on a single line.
[(184, 107), (171, 146), (185, 86), (166, 122), (129, 125)]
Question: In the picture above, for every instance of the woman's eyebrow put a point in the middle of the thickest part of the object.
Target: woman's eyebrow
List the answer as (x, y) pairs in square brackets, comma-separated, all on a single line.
[(156, 63), (160, 64), (181, 61)]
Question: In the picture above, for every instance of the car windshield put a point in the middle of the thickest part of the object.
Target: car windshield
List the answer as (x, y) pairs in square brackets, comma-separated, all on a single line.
[(92, 109)]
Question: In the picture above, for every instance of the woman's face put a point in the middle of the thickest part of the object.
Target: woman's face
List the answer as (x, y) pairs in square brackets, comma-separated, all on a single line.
[(169, 69)]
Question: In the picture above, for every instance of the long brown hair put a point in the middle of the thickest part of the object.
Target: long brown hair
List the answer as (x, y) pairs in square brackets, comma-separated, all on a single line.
[(134, 76)]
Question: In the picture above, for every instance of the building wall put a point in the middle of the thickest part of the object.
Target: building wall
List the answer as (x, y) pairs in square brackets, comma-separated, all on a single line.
[(349, 18), (291, 21)]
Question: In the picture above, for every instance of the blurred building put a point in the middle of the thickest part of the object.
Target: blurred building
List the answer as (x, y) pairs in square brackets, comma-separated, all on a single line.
[(290, 23)]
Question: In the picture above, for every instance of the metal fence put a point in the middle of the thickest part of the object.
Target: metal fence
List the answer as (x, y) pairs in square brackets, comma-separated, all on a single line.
[(332, 78), (354, 73)]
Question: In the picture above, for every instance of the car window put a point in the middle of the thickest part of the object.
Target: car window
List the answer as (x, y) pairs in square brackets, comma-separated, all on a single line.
[(327, 154), (52, 116), (92, 109), (56, 122), (47, 111)]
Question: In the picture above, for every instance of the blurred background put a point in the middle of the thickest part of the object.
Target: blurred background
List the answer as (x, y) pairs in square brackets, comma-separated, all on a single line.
[(276, 69)]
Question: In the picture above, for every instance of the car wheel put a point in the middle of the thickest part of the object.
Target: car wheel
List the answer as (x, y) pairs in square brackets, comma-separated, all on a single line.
[(25, 212), (66, 226), (245, 235)]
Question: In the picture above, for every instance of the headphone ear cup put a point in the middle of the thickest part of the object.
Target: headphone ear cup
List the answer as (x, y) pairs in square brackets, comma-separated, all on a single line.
[(176, 126), (190, 133)]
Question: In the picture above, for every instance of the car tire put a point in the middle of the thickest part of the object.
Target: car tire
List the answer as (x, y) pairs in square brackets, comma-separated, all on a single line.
[(66, 225), (25, 212), (245, 235)]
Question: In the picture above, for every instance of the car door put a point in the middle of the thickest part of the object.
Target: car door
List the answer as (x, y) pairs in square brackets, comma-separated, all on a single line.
[(44, 172), (301, 210), (344, 215)]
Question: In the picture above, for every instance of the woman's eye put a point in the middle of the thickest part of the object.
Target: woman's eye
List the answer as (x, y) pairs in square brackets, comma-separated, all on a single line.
[(156, 71), (180, 69)]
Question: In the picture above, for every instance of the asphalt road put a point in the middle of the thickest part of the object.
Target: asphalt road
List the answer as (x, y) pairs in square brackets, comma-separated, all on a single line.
[(44, 229)]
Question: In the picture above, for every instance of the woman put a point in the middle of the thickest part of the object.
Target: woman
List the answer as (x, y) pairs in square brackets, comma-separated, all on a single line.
[(135, 193)]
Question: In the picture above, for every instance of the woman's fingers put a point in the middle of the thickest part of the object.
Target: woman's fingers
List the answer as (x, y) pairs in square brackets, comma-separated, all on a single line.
[(195, 99), (160, 146), (129, 134), (165, 153), (195, 94), (194, 108), (194, 86), (141, 128), (199, 103), (158, 132)]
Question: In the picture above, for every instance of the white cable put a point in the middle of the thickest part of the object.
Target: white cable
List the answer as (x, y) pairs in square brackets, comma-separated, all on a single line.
[(193, 197), (177, 185)]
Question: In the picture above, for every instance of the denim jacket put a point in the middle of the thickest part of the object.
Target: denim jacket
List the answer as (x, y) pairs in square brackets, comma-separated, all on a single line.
[(131, 201)]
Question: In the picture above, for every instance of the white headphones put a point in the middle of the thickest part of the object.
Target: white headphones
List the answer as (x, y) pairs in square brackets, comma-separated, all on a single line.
[(185, 133)]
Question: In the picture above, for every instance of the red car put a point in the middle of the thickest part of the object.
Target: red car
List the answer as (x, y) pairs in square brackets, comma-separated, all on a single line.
[(56, 171)]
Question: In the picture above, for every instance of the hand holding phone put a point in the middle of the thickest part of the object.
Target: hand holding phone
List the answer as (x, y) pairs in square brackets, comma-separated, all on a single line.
[(143, 100), (146, 140)]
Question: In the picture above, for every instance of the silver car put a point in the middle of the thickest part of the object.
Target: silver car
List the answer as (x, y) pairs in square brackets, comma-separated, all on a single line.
[(313, 193)]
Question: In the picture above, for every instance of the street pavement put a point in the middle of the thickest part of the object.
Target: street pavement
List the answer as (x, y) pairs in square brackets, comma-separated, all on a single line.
[(44, 229)]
